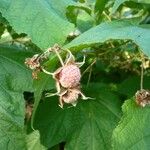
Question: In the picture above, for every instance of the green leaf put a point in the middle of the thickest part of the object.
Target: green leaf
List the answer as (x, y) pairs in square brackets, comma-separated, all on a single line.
[(99, 7), (88, 126), (2, 26), (119, 2), (82, 6), (121, 29), (12, 65), (44, 82), (56, 147), (33, 141), (130, 86), (12, 110), (133, 130), (14, 80), (73, 11), (84, 21), (43, 21)]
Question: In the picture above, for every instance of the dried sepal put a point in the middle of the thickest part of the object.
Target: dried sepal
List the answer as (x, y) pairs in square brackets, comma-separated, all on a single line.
[(71, 96), (142, 97), (35, 73), (33, 62)]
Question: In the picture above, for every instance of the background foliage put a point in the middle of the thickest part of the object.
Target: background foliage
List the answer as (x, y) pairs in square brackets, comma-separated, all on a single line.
[(110, 34)]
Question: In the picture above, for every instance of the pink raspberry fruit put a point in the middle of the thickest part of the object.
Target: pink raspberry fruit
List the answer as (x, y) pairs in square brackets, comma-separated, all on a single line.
[(70, 76)]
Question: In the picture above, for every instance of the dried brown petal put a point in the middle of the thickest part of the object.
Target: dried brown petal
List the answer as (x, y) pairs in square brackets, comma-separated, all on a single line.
[(33, 62), (35, 73), (142, 97)]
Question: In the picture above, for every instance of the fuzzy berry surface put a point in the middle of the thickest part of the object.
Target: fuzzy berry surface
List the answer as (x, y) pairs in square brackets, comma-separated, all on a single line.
[(70, 76), (71, 97)]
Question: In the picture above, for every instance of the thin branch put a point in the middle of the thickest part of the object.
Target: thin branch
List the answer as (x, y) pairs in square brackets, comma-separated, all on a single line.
[(45, 71), (88, 68), (60, 59), (89, 78), (142, 70), (107, 16)]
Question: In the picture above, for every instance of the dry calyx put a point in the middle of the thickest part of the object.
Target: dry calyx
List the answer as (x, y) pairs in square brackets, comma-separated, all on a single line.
[(34, 63), (67, 76), (142, 97)]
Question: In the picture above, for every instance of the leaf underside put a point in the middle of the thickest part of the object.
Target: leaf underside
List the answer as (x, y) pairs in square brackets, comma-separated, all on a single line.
[(115, 30)]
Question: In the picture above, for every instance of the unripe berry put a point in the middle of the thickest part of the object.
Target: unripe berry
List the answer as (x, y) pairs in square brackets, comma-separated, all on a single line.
[(70, 97), (70, 76)]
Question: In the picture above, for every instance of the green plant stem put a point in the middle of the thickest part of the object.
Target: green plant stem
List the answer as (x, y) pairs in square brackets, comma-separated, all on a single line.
[(88, 68), (142, 70)]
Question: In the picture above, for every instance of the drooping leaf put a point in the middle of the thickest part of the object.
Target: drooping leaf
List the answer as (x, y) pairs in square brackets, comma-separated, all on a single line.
[(14, 80), (88, 126), (120, 29), (119, 2), (43, 21), (133, 129), (33, 141)]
